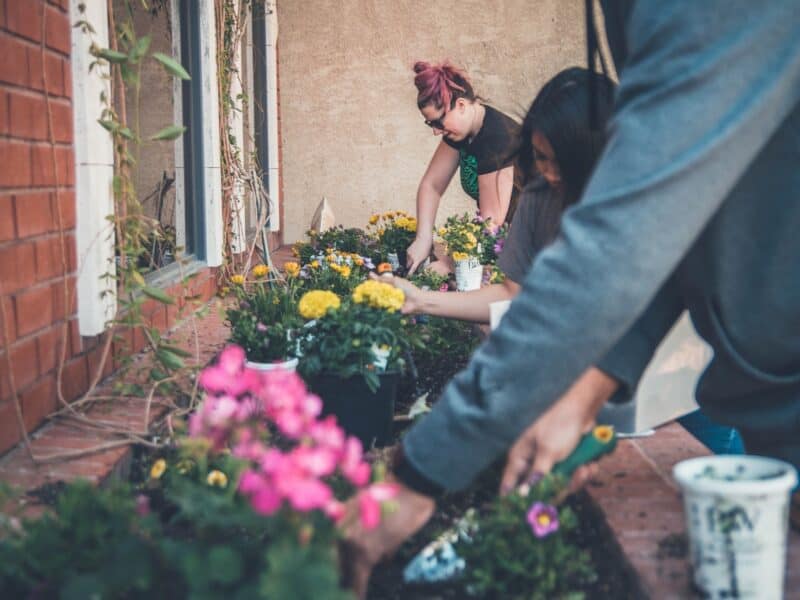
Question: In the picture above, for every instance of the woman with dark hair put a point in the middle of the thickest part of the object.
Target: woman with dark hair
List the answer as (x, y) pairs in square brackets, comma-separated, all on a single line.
[(558, 149), (477, 139)]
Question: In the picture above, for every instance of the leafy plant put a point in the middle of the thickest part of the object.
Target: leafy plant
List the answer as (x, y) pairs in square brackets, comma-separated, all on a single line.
[(395, 231), (466, 237), (335, 270), (520, 548), (360, 334), (350, 240), (265, 319)]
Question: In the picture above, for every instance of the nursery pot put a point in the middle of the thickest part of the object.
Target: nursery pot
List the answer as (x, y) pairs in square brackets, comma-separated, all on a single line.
[(469, 272), (736, 509), (289, 364), (360, 412)]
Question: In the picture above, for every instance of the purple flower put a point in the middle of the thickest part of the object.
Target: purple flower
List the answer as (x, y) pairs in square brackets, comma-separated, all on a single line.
[(498, 245), (368, 263), (543, 519), (261, 327)]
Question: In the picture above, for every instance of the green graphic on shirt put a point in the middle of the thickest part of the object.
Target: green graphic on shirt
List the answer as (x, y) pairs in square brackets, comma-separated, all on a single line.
[(468, 166)]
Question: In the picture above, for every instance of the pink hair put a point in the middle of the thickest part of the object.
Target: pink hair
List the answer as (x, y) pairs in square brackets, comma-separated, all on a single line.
[(441, 84)]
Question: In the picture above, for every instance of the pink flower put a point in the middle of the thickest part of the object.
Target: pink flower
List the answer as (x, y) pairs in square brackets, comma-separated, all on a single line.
[(142, 505), (265, 501), (335, 510), (319, 461), (444, 287), (543, 519), (308, 494), (327, 433), (351, 464), (229, 375), (370, 500)]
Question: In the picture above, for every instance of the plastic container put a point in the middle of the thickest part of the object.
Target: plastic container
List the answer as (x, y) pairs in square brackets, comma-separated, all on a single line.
[(736, 510)]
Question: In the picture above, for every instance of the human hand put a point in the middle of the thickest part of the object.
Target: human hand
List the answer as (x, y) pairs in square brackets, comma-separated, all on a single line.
[(363, 548), (556, 433), (417, 252), (413, 295)]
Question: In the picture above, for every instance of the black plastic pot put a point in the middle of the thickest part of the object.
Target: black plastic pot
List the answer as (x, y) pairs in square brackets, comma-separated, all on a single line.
[(360, 412)]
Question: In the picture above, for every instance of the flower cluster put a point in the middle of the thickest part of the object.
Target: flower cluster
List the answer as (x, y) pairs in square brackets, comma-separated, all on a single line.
[(394, 230), (379, 295), (240, 407), (466, 237), (316, 303), (335, 270), (460, 236)]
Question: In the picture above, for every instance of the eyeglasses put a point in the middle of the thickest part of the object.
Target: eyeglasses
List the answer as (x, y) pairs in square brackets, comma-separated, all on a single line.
[(437, 123)]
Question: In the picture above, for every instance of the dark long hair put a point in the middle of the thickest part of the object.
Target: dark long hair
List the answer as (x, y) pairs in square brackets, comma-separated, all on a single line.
[(560, 112)]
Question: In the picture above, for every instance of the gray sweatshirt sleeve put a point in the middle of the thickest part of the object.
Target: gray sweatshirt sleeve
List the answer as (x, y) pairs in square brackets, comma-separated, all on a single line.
[(629, 357), (705, 86)]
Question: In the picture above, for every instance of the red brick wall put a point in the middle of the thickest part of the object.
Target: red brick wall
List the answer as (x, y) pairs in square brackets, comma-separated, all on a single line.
[(37, 208), (37, 223)]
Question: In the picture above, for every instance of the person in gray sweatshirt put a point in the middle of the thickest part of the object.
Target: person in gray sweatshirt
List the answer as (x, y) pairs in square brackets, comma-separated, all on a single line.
[(694, 204)]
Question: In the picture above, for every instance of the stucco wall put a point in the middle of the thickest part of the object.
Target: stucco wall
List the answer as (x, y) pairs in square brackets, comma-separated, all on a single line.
[(350, 128)]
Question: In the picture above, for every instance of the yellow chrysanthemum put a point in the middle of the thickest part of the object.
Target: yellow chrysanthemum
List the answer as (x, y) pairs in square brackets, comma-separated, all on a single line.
[(158, 468), (315, 264), (217, 479), (292, 268), (260, 271), (472, 241), (315, 303), (460, 256), (379, 295), (344, 271), (442, 231), (237, 279), (374, 219)]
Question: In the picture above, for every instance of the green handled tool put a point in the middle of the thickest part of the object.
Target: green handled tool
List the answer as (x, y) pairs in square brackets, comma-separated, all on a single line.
[(594, 444), (439, 561)]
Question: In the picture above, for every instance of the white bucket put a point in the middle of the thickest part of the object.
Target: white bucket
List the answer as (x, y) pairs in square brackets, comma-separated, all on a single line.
[(286, 365), (736, 510), (468, 274), (393, 260)]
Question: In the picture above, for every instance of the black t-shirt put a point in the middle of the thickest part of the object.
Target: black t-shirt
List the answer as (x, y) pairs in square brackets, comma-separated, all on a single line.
[(492, 149)]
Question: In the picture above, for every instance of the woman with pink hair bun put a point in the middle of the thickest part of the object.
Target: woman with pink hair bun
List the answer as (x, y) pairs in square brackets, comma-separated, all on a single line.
[(477, 139)]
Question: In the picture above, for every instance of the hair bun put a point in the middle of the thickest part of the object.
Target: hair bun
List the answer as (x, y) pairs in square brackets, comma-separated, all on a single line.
[(421, 66)]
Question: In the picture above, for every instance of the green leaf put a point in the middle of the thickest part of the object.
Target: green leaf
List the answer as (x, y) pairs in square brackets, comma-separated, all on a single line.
[(140, 49), (169, 359), (138, 278), (111, 126), (177, 350), (172, 66), (157, 294), (126, 133), (227, 564), (110, 55), (170, 132)]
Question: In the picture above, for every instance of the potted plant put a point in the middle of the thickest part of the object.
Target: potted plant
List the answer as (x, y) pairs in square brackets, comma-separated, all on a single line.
[(395, 231), (353, 354), (265, 319), (460, 235), (335, 270)]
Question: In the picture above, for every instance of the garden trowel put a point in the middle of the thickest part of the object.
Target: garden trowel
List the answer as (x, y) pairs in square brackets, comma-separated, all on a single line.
[(439, 561)]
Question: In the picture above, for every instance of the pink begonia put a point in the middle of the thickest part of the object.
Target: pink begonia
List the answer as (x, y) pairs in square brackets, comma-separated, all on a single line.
[(351, 464), (370, 500), (242, 405)]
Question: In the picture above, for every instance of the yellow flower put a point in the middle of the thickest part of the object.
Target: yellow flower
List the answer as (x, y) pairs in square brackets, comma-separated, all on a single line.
[(237, 279), (460, 256), (344, 271), (379, 295), (158, 468), (292, 268), (217, 479), (471, 240), (260, 271), (315, 264), (442, 231), (184, 466), (315, 303), (374, 219)]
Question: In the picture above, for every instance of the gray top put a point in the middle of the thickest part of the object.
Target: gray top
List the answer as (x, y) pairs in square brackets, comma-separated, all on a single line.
[(693, 204), (534, 226)]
